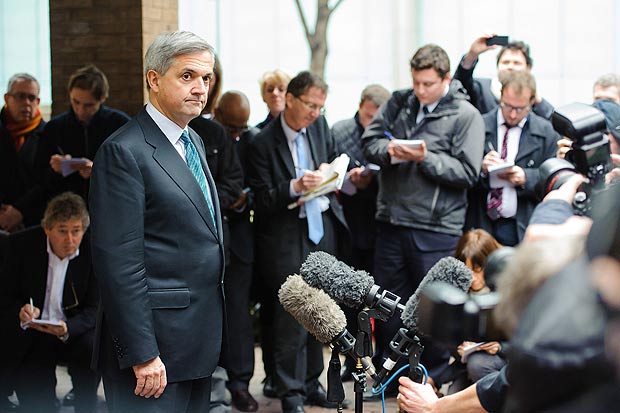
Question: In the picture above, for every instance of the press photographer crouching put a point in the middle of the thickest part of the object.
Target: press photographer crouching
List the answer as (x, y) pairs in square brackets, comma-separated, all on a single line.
[(551, 310)]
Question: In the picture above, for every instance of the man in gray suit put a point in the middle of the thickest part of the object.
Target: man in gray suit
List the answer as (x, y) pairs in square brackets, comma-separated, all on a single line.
[(157, 242)]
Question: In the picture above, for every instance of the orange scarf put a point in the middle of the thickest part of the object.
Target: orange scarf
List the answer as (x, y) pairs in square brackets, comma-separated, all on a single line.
[(18, 131)]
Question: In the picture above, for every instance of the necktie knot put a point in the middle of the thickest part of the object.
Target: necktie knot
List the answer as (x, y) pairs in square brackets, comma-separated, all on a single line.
[(185, 137)]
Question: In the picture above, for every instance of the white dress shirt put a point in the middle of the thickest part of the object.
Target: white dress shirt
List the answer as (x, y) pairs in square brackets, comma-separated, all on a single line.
[(509, 192)]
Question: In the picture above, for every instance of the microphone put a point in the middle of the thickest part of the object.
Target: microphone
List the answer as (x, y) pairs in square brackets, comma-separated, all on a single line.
[(320, 316), (348, 286), (447, 270)]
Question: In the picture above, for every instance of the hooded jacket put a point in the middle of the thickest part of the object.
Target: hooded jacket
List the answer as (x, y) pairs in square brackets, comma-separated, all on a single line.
[(432, 194)]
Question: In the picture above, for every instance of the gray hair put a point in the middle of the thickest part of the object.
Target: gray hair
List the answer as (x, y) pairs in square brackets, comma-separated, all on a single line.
[(376, 94), (162, 52), (65, 207), (22, 77), (607, 80)]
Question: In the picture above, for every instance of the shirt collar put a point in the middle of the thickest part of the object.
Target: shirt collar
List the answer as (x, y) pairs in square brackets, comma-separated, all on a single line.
[(168, 127), (431, 107), (51, 253), (289, 132), (501, 121)]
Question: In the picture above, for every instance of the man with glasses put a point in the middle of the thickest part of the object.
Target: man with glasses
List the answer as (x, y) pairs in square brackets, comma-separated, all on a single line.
[(504, 200), (484, 92), (48, 302), (21, 196), (284, 161), (422, 187)]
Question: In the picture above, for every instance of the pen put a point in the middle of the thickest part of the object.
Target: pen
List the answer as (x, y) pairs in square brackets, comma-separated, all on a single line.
[(60, 151), (31, 306), (490, 145), (388, 134)]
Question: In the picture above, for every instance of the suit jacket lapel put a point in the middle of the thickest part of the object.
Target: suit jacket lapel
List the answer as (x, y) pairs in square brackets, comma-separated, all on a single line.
[(169, 160), (283, 149), (314, 146), (528, 142)]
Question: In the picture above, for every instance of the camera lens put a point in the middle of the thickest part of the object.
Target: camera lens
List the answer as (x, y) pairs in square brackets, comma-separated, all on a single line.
[(554, 172)]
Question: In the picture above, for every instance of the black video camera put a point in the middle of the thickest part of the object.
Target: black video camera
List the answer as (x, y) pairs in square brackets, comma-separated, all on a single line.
[(590, 153), (450, 316)]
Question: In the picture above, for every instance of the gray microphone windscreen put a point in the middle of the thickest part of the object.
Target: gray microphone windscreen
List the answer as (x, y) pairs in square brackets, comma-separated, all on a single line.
[(344, 284), (448, 270), (312, 308)]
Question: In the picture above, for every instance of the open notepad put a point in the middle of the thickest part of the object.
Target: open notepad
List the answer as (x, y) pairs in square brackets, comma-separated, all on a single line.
[(467, 351), (40, 321), (413, 144), (67, 166), (333, 177), (494, 170)]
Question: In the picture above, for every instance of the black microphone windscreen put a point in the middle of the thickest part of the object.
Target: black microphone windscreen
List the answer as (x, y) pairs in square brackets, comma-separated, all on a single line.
[(448, 270), (344, 284), (312, 308)]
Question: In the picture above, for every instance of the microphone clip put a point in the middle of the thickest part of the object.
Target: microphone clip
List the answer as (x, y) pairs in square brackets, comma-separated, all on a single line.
[(383, 303)]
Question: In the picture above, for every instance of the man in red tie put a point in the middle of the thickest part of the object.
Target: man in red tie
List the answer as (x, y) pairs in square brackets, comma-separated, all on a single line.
[(519, 140)]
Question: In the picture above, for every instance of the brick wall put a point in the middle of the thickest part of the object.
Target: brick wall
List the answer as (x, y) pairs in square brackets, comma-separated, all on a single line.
[(111, 34)]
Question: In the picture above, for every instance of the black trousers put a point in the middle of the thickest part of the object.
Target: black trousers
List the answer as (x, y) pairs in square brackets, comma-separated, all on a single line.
[(239, 361), (403, 256), (298, 357), (35, 378)]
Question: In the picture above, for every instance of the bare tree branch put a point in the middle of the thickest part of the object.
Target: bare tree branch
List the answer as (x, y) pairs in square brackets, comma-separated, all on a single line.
[(304, 23), (336, 5)]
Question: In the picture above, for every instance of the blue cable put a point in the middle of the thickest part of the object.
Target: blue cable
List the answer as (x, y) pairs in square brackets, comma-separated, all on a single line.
[(381, 389)]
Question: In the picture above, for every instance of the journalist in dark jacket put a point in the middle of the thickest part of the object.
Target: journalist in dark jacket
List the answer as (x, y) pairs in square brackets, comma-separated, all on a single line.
[(66, 135), (422, 201), (428, 195), (59, 250)]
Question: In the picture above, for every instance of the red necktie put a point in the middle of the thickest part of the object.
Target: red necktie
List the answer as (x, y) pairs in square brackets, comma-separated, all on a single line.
[(494, 205)]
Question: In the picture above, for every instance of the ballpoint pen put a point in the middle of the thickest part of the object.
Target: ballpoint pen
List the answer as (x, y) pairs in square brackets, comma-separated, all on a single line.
[(31, 307), (388, 134)]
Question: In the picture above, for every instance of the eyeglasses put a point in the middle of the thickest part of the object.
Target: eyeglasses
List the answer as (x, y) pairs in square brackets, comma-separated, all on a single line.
[(21, 96), (517, 109), (311, 106)]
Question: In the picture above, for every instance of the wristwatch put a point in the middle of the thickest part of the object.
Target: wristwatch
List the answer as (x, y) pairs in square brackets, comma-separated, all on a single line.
[(64, 337)]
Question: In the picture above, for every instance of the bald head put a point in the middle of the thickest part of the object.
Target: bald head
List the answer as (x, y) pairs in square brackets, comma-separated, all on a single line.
[(233, 112)]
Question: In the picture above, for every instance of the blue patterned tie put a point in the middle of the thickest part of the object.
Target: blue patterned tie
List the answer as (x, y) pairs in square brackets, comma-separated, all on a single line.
[(313, 209), (193, 162)]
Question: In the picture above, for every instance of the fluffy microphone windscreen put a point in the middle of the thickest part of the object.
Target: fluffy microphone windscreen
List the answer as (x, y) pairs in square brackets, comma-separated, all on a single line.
[(344, 284), (312, 308), (448, 270)]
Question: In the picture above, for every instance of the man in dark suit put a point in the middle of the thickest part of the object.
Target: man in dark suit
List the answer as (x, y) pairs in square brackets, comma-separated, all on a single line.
[(484, 92), (284, 161), (157, 242), (232, 112), (48, 276), (513, 134)]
